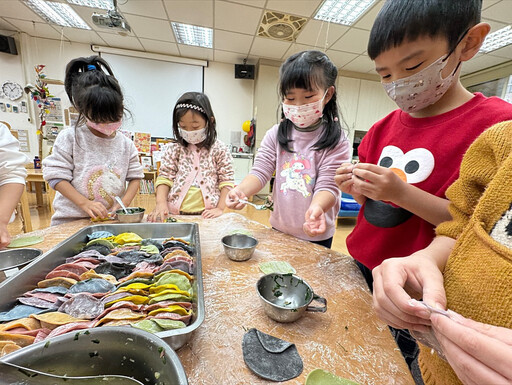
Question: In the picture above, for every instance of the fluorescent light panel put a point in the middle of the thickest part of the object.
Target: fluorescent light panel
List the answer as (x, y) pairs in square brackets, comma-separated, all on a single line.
[(344, 12), (193, 35), (102, 4), (498, 39), (57, 13)]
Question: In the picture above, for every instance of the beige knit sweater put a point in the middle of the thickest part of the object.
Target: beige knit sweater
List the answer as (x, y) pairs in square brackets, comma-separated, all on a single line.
[(478, 275)]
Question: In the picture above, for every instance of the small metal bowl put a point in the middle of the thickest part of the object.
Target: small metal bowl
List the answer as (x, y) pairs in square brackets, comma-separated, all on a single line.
[(135, 215), (239, 247), (286, 297), (12, 261)]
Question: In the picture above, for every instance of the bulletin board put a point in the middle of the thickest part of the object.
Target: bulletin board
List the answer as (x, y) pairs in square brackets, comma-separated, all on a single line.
[(151, 89)]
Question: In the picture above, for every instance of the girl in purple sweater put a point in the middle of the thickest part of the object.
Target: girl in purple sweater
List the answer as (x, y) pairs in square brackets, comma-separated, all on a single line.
[(304, 150)]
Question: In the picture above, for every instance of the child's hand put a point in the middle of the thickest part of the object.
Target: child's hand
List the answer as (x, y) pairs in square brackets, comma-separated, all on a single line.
[(160, 213), (314, 221), (212, 213), (94, 209), (5, 238), (376, 182), (233, 199), (398, 280), (345, 182)]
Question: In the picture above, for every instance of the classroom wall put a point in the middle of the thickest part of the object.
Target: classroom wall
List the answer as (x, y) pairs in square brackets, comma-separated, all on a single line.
[(232, 99)]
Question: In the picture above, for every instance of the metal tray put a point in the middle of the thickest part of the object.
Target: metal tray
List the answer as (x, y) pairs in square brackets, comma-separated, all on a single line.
[(27, 279)]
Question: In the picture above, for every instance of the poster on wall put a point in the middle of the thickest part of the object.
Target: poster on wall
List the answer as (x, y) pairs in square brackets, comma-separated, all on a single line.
[(55, 114), (142, 141), (23, 139)]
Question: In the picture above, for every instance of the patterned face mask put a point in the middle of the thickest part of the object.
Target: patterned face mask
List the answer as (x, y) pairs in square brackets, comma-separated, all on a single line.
[(422, 89), (105, 128), (193, 137), (306, 114)]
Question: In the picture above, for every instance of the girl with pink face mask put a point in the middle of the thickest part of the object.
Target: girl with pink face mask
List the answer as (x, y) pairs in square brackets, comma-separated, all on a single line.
[(196, 171), (91, 163), (304, 150)]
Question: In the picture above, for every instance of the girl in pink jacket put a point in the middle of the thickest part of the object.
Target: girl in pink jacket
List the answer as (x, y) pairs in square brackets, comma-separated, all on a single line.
[(196, 171)]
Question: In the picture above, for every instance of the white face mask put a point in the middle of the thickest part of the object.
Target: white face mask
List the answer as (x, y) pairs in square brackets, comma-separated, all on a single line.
[(422, 89), (305, 115), (193, 137)]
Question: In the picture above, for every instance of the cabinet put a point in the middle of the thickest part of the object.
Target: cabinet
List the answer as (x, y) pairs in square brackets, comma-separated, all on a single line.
[(242, 164)]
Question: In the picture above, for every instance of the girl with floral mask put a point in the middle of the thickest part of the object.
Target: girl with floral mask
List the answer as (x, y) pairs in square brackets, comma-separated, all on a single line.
[(196, 171), (91, 163), (304, 149)]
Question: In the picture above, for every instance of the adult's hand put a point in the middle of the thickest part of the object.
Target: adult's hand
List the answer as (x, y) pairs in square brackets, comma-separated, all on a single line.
[(478, 353)]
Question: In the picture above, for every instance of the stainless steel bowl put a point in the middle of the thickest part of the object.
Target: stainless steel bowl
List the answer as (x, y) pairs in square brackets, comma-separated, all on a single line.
[(102, 351), (285, 297), (239, 247), (135, 215), (12, 261)]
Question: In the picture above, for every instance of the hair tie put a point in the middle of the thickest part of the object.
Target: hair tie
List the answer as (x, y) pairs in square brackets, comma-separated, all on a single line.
[(190, 106), (91, 67), (335, 118)]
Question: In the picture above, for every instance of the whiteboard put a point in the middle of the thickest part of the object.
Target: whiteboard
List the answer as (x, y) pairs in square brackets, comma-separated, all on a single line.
[(151, 89)]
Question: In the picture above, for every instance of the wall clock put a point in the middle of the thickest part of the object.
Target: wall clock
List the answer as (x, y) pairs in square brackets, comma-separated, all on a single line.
[(12, 90)]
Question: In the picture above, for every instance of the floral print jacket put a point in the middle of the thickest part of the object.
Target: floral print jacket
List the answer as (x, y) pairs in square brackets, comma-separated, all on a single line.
[(210, 170)]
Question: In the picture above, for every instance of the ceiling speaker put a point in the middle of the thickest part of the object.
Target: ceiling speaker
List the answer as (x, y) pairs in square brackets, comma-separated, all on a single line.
[(244, 71)]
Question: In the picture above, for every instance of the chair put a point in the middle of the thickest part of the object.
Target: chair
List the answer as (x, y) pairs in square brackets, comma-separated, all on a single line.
[(349, 208)]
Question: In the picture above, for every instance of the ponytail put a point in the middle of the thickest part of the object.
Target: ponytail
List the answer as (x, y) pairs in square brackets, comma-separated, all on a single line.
[(93, 90)]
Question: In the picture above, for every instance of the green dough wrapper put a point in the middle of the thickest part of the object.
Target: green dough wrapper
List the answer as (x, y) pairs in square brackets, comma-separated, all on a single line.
[(25, 241), (276, 267), (241, 231), (323, 377)]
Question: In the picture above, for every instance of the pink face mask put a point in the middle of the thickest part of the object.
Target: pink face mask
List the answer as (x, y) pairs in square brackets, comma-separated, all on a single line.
[(305, 115), (105, 128)]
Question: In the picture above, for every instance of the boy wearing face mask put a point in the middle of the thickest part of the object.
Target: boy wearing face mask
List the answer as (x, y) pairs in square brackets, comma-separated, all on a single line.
[(409, 158)]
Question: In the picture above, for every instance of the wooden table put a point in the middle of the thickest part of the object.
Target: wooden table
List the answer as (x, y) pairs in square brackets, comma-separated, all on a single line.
[(34, 176), (348, 340)]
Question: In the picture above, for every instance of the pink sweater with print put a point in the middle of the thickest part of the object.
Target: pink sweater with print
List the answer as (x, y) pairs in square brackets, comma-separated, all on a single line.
[(299, 176), (97, 168), (208, 168)]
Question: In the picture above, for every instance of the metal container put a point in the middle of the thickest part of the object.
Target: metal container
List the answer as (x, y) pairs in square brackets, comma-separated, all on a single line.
[(239, 247), (27, 279), (13, 260), (286, 297), (135, 215), (102, 351)]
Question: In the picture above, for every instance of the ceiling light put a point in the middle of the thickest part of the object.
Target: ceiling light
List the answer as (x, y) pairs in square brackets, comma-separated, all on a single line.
[(498, 39), (342, 11), (193, 35), (103, 4), (57, 13)]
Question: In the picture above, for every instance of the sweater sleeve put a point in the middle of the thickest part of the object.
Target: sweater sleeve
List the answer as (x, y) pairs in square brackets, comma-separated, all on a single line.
[(477, 170), (225, 171), (169, 163), (12, 161), (265, 162), (60, 165), (327, 167), (135, 170)]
